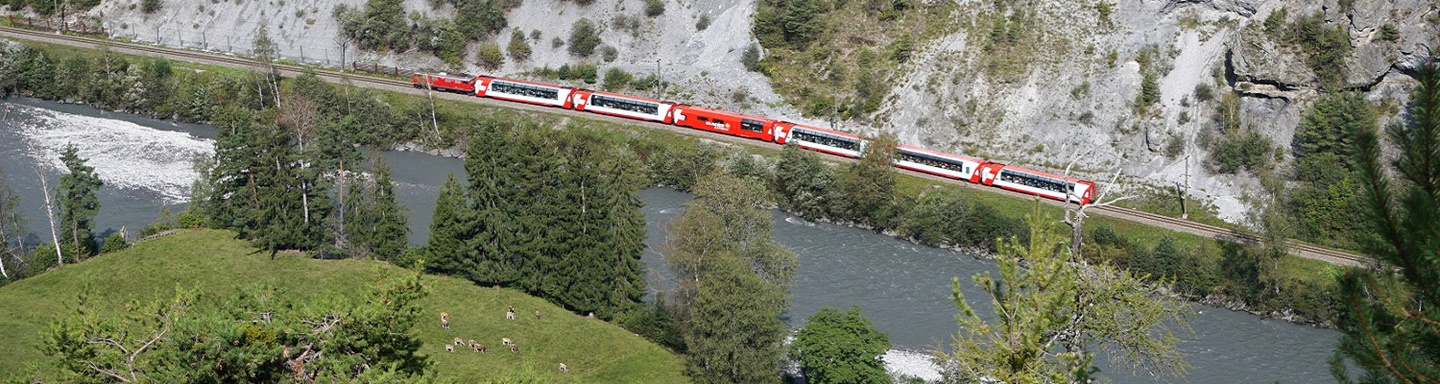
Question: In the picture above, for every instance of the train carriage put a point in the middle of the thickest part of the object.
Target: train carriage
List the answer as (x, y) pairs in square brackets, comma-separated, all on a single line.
[(1038, 183), (523, 91), (626, 106), (452, 82), (725, 122), (819, 139), (938, 163)]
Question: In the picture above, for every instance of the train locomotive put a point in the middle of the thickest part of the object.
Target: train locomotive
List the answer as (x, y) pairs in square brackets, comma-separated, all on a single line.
[(969, 169)]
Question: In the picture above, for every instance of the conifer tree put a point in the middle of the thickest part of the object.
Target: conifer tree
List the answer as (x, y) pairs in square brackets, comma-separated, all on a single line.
[(447, 251), (492, 190), (388, 234), (1392, 325), (78, 204)]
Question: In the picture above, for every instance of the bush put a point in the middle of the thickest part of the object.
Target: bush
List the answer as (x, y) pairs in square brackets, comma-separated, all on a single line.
[(150, 6), (1203, 92), (519, 49), (1250, 150), (1149, 92), (490, 57), (654, 322), (583, 38), (703, 23), (1390, 33), (654, 8), (557, 42), (114, 242), (616, 79), (609, 53), (751, 58)]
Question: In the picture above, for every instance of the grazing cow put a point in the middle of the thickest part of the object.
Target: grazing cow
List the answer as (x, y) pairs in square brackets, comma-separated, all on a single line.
[(510, 315), (506, 341), (514, 348), (449, 348), (537, 315), (459, 342), (445, 320), (564, 369), (471, 343), (590, 316), (478, 347)]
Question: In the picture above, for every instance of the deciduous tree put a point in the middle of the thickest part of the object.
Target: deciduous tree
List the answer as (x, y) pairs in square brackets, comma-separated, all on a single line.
[(841, 347), (869, 184), (1055, 313)]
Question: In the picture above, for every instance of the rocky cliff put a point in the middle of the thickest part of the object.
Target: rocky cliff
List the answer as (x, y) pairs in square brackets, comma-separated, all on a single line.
[(1069, 95)]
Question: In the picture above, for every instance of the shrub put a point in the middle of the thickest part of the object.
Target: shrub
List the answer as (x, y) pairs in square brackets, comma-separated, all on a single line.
[(150, 6), (114, 242), (1236, 151), (616, 79), (1149, 92), (654, 8), (609, 53), (751, 58), (557, 42), (490, 57), (519, 49), (583, 38), (902, 48), (703, 23), (1389, 33), (1203, 92)]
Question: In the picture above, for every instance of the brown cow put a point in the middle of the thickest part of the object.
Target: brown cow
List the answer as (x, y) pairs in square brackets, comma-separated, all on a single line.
[(445, 320), (477, 347), (449, 348), (506, 341), (514, 348), (564, 369), (459, 342)]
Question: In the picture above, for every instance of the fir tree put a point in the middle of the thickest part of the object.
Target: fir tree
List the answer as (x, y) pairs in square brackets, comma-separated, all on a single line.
[(1392, 328), (78, 204), (492, 189), (388, 230), (447, 250)]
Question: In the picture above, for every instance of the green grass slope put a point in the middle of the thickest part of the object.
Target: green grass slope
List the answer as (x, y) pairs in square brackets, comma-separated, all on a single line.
[(594, 351)]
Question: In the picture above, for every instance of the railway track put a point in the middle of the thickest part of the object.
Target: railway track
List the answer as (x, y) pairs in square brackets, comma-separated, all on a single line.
[(221, 59)]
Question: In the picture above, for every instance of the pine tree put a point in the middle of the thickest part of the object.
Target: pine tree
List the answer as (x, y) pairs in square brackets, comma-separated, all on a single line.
[(78, 204), (1392, 328), (388, 230), (447, 251), (492, 190)]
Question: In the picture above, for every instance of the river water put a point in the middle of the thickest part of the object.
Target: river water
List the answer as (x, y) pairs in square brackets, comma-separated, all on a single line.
[(903, 288)]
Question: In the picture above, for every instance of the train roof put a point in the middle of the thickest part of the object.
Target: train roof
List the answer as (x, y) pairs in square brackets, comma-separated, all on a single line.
[(904, 147), (1045, 174), (526, 82), (823, 130), (723, 112), (462, 75)]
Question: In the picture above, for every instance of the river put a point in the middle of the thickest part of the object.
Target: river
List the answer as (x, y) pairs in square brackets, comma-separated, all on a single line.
[(902, 287)]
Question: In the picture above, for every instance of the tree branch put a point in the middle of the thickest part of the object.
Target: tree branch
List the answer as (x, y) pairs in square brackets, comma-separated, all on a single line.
[(110, 373)]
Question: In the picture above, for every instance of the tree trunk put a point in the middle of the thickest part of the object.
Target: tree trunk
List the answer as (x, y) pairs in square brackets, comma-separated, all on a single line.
[(433, 121), (50, 213)]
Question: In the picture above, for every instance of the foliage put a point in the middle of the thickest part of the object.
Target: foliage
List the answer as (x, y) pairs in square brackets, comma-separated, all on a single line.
[(1391, 323), (943, 217), (489, 56), (803, 183), (733, 279), (114, 242), (841, 347), (278, 339), (519, 49), (654, 8), (1247, 150), (1056, 313), (379, 27), (703, 23), (374, 223), (1390, 33), (616, 79), (552, 214), (869, 184), (1326, 202), (751, 58), (11, 224), (150, 6), (1149, 92), (584, 37), (75, 196), (654, 322)]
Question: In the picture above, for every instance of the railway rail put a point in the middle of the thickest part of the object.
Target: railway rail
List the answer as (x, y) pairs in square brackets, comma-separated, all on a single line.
[(213, 58)]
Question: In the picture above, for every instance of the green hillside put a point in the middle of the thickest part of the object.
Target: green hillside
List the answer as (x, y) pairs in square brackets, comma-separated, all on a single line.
[(594, 351)]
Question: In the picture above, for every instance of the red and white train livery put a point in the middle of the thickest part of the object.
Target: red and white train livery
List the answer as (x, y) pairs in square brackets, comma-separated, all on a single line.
[(783, 132)]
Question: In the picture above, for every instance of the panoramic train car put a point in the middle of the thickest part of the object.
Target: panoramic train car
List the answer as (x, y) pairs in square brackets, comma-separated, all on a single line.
[(729, 123), (1037, 183), (937, 163), (523, 91), (452, 82), (819, 139), (629, 107)]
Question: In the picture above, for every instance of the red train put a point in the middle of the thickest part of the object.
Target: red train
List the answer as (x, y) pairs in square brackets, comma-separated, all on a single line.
[(837, 143)]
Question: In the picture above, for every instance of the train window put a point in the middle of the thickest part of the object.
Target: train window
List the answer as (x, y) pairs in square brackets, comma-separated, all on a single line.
[(824, 139), (702, 118), (623, 104), (524, 90), (752, 125), (1035, 181), (932, 161)]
